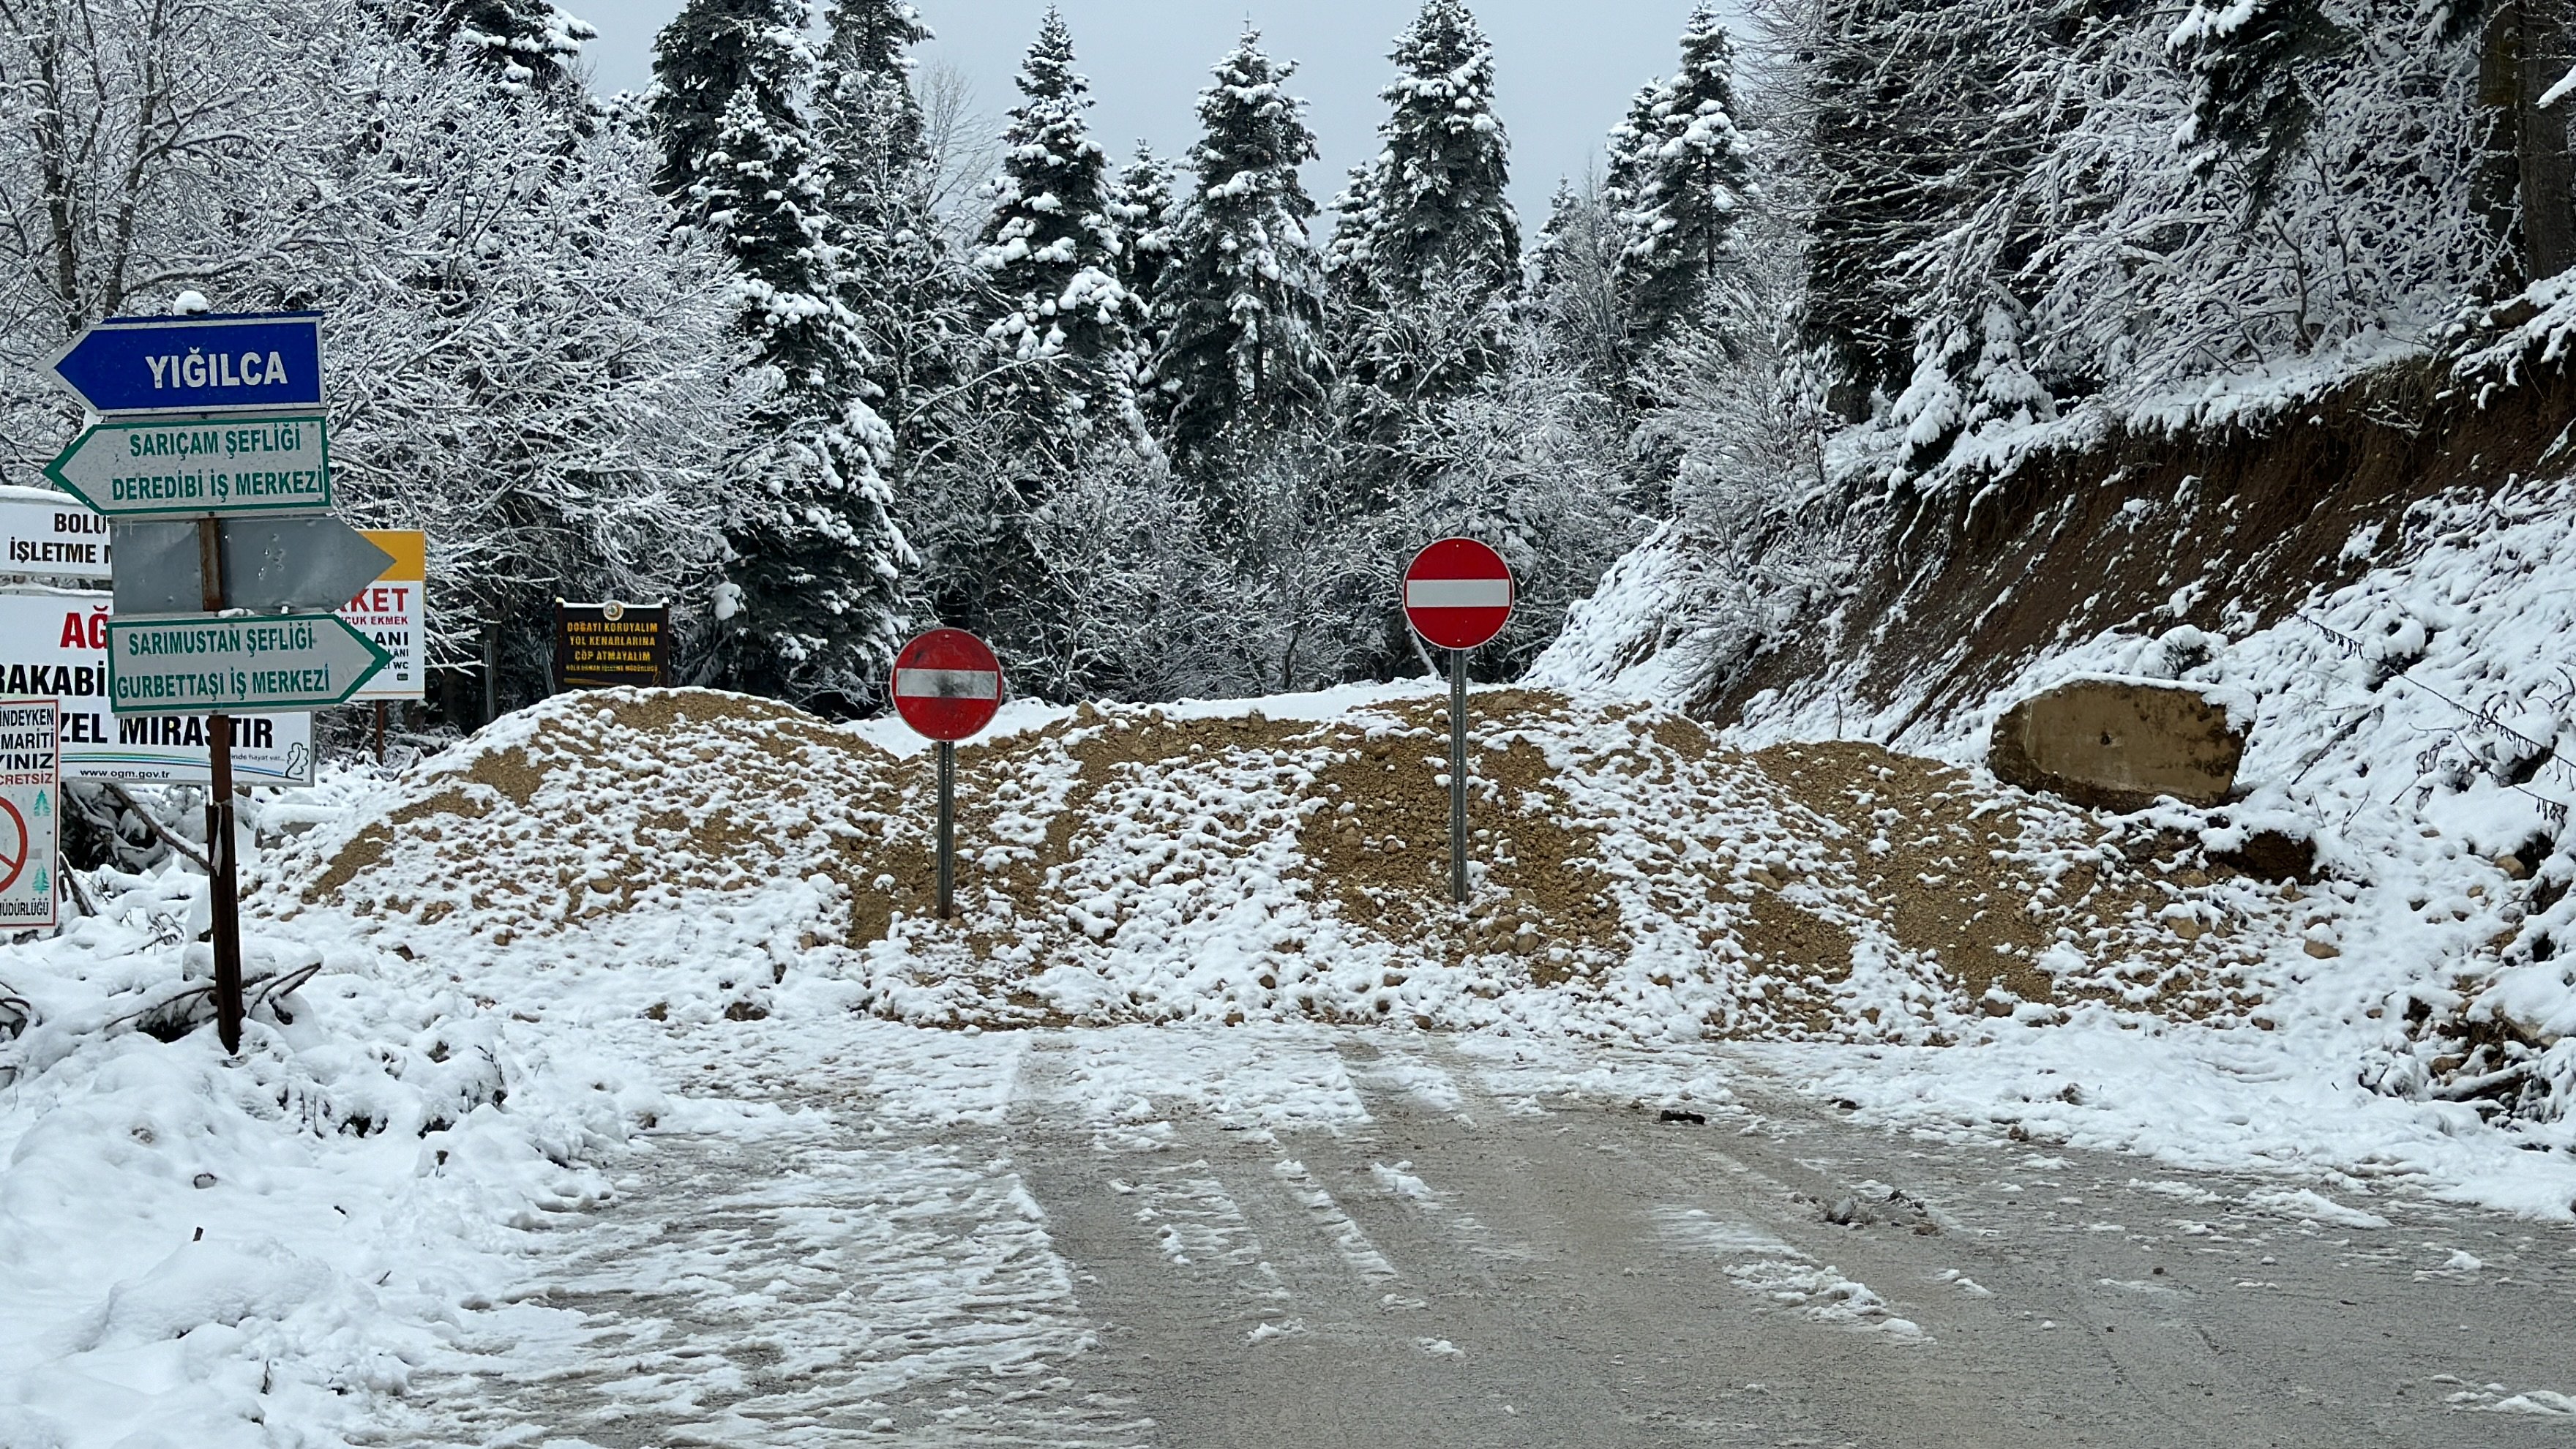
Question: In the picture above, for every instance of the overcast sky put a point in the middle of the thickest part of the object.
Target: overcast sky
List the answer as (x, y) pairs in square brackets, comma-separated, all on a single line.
[(1564, 72)]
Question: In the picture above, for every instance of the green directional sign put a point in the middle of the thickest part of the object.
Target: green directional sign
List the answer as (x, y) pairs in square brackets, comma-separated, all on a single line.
[(190, 470), (249, 664)]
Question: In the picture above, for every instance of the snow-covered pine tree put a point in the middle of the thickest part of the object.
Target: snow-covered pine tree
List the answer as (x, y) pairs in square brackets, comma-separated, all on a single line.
[(1416, 291), (910, 293), (1245, 351), (1612, 199), (528, 45), (1549, 257), (1684, 197), (1633, 142), (1438, 214), (1044, 400), (867, 120), (875, 38), (1140, 207), (810, 602), (1051, 253), (1347, 278)]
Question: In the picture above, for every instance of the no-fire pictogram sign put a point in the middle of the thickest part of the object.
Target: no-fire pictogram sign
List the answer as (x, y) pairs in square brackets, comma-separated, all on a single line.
[(30, 809)]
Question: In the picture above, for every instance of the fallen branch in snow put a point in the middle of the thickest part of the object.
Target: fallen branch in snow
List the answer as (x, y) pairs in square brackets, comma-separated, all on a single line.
[(2483, 1084), (80, 893), (176, 1015), (162, 831)]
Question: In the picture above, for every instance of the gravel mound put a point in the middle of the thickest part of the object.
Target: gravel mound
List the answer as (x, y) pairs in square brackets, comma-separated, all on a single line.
[(1633, 876)]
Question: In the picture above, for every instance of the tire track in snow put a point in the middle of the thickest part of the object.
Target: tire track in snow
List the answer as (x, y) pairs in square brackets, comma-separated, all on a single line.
[(1782, 1275), (1121, 1181), (821, 1281), (1265, 1239)]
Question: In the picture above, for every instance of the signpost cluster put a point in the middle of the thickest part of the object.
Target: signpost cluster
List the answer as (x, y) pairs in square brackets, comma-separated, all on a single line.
[(212, 458)]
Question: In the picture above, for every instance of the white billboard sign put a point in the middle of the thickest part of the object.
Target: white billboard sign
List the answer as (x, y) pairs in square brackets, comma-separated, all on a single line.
[(393, 612), (50, 535), (54, 645)]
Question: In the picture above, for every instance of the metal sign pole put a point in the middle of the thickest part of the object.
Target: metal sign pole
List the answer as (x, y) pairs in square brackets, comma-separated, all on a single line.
[(1458, 776), (226, 887), (947, 829), (223, 886)]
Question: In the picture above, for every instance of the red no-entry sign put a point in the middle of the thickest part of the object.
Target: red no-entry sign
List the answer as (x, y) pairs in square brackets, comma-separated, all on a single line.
[(1457, 593), (947, 685)]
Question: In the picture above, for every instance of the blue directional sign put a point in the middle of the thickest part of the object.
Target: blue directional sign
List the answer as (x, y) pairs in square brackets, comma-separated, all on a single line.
[(242, 363)]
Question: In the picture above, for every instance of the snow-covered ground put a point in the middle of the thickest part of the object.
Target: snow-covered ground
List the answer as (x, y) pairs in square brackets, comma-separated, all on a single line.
[(589, 1227), (553, 1149), (630, 1027), (197, 1251)]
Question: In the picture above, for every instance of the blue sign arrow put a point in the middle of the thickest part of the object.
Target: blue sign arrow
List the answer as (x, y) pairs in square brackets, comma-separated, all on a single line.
[(246, 362)]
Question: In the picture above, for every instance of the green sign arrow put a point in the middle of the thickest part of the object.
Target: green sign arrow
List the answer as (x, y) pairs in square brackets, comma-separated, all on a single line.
[(249, 664), (190, 470)]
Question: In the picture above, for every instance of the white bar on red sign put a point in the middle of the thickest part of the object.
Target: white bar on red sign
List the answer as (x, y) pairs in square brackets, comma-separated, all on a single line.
[(947, 684), (1457, 593)]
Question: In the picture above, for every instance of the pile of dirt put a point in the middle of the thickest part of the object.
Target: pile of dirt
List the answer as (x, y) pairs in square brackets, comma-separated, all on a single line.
[(1380, 846), (1143, 863), (1991, 883), (606, 805)]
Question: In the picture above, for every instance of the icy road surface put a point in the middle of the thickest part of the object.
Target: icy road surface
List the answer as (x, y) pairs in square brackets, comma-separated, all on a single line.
[(877, 1235)]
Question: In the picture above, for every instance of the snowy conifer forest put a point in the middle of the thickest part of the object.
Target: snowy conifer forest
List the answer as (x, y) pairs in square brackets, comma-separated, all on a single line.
[(750, 344)]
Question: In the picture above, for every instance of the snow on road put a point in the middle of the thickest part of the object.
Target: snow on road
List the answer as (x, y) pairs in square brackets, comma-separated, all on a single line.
[(858, 1232), (813, 1227)]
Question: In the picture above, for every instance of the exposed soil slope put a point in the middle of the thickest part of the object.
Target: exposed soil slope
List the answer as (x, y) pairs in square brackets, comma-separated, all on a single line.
[(2227, 527)]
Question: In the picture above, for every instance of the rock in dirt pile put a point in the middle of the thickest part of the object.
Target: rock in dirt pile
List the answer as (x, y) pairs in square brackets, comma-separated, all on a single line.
[(1120, 864)]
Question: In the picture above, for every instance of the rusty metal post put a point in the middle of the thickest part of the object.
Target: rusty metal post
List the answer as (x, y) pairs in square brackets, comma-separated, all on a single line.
[(947, 829), (1458, 776), (223, 884)]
